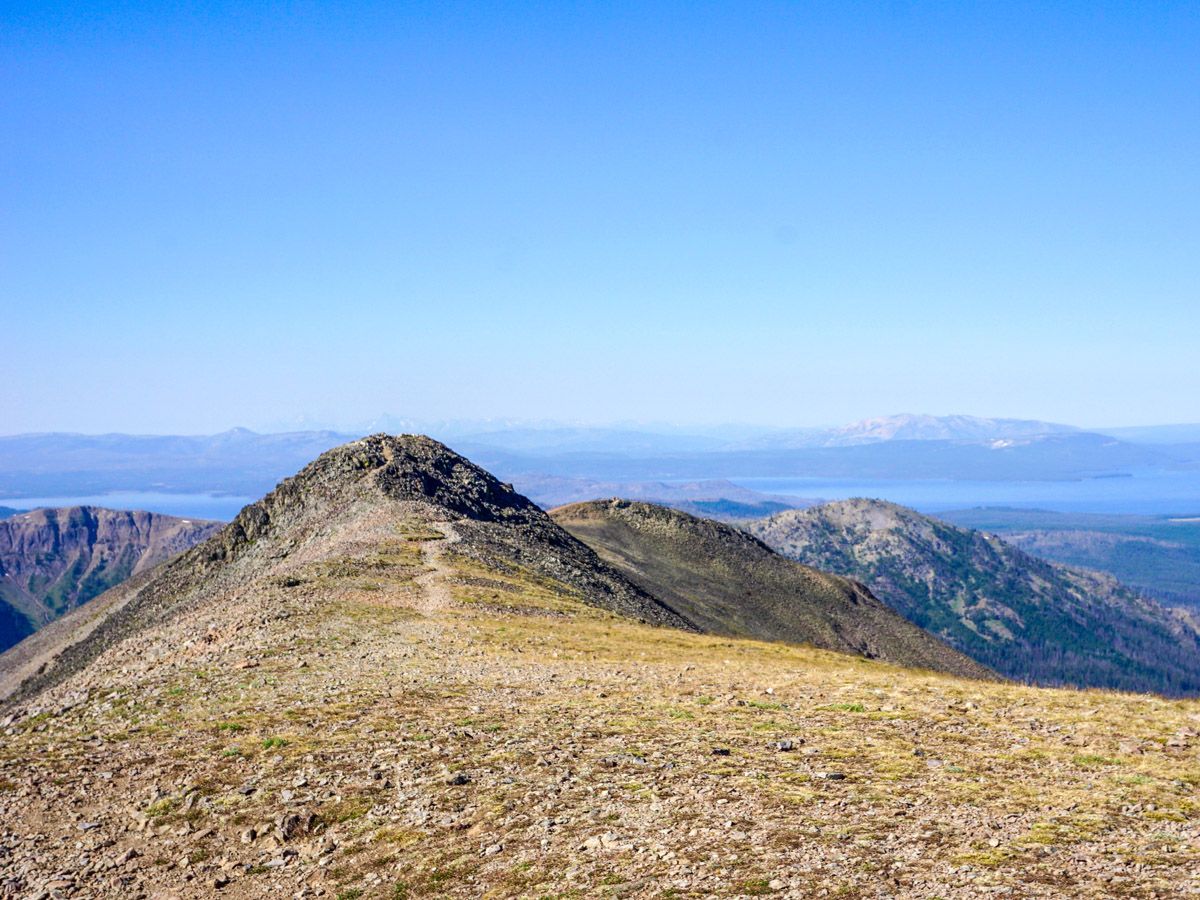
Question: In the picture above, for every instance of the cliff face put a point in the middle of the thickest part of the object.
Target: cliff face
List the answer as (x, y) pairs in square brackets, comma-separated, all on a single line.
[(53, 560)]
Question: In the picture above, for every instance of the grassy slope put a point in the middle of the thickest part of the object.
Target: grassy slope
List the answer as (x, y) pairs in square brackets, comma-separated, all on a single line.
[(585, 745), (729, 583)]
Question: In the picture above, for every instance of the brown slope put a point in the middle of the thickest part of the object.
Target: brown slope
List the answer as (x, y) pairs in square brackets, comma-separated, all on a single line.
[(731, 584)]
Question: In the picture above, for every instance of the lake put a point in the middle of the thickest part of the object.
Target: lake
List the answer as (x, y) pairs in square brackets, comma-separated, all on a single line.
[(1144, 493)]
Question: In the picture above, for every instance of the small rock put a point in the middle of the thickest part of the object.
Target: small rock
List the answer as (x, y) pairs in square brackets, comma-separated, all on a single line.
[(720, 751)]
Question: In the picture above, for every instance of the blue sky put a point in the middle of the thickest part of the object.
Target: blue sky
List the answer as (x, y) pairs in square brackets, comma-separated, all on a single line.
[(792, 214)]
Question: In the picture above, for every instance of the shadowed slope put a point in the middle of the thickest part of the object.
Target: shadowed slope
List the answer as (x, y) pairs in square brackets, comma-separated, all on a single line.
[(732, 584)]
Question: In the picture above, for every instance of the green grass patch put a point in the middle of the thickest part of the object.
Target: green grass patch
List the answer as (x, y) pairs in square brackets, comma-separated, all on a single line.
[(1091, 760)]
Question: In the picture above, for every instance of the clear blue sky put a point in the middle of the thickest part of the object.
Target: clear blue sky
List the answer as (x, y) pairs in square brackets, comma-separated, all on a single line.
[(798, 213)]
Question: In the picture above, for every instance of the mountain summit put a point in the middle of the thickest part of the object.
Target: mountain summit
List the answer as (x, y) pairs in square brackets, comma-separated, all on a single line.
[(346, 505)]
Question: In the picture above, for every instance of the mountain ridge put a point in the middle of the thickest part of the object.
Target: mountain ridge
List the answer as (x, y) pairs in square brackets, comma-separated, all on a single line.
[(1028, 618), (347, 496), (732, 584), (354, 692)]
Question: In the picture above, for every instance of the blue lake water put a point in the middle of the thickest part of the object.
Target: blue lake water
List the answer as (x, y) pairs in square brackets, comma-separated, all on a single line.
[(195, 506), (1145, 493)]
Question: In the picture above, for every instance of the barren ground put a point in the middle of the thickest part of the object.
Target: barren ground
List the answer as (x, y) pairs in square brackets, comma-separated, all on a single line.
[(402, 722)]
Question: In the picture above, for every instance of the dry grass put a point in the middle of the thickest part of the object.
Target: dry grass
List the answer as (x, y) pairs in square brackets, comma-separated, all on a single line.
[(584, 749)]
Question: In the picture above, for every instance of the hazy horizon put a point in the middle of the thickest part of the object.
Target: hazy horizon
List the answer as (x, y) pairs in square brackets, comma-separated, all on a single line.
[(802, 214), (460, 427)]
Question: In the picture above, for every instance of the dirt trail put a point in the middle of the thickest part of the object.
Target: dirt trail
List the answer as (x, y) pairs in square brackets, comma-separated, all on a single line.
[(435, 592)]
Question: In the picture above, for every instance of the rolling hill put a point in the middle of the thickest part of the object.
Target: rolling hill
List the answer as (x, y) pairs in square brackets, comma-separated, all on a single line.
[(1026, 618), (729, 583)]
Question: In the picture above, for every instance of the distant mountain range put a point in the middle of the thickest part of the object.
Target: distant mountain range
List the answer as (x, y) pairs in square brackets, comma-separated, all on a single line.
[(1026, 618), (554, 465), (53, 560), (909, 427), (1050, 457)]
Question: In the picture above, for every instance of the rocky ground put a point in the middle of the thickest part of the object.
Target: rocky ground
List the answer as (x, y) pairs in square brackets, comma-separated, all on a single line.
[(402, 720)]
